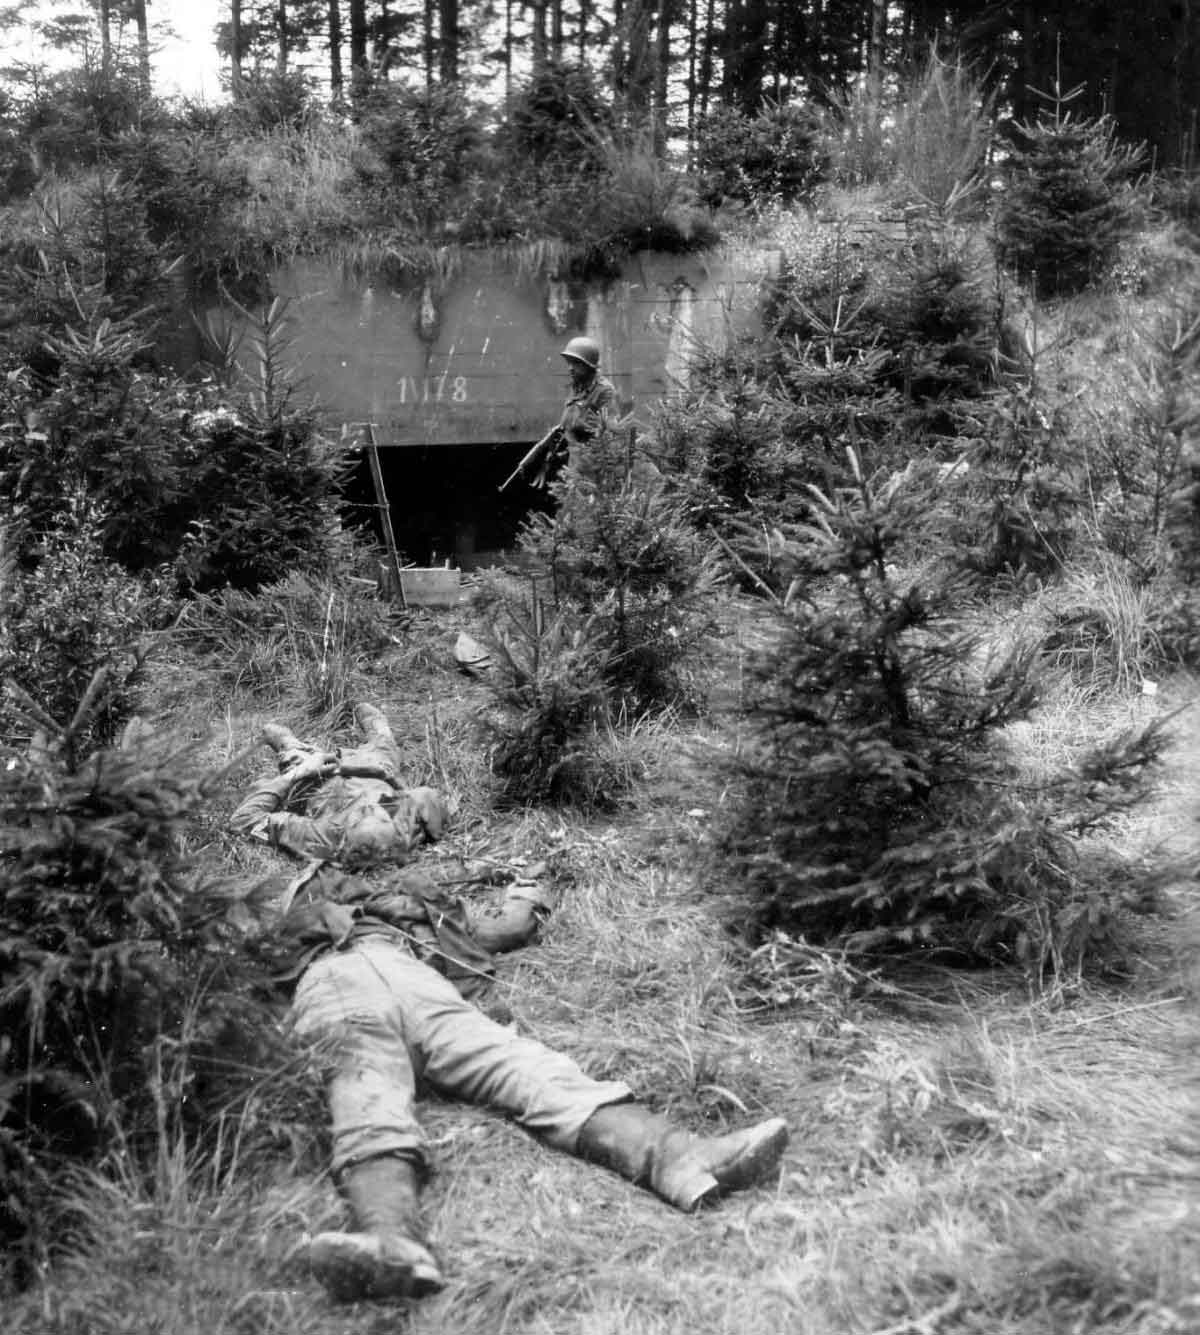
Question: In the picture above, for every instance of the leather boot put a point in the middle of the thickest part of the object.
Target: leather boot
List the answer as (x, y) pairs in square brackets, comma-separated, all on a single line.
[(383, 1255), (685, 1170)]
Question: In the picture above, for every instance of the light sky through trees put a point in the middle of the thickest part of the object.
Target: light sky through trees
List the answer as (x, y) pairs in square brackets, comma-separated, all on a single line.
[(184, 56)]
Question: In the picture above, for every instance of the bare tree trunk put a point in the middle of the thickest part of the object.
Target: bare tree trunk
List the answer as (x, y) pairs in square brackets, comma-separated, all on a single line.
[(508, 58), (448, 45), (584, 15), (875, 52), (556, 31), (538, 33), (618, 48), (106, 39), (708, 46), (693, 45), (359, 73), (429, 42), (235, 40), (336, 81), (281, 37), (662, 62), (143, 42)]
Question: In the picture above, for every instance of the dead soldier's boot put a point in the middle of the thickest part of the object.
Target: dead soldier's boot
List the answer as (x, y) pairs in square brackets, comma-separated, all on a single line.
[(685, 1170), (383, 1255)]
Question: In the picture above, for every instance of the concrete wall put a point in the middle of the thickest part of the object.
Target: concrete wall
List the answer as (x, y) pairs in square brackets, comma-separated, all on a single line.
[(472, 358)]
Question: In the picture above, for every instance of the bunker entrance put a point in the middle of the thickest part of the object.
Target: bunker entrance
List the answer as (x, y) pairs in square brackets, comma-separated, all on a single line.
[(445, 502)]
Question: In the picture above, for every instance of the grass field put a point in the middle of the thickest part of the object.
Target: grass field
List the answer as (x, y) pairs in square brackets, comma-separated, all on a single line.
[(965, 1156)]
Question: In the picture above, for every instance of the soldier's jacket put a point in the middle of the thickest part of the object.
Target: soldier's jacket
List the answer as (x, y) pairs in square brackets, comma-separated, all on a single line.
[(322, 822), (326, 909), (585, 412)]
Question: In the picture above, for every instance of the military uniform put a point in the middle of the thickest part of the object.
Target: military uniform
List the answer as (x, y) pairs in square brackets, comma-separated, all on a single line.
[(586, 411), (385, 969)]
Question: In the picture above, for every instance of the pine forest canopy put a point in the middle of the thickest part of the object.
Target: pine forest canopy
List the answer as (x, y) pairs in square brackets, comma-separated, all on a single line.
[(1139, 62), (676, 60)]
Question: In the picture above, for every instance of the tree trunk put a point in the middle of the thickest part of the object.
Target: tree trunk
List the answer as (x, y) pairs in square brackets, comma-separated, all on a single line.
[(281, 37), (875, 43), (106, 39), (584, 14), (359, 72), (429, 40), (538, 36), (556, 31), (662, 63), (707, 47), (336, 81), (235, 46), (693, 49), (508, 59), (143, 43), (448, 43)]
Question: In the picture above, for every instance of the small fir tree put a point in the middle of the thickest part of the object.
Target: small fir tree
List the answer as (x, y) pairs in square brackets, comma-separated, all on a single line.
[(1069, 204), (879, 809)]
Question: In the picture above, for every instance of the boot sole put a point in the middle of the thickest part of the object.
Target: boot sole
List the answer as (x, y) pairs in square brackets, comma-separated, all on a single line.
[(352, 1271)]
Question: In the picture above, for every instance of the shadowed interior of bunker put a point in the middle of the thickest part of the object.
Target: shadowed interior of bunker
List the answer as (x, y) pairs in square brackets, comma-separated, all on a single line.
[(445, 501)]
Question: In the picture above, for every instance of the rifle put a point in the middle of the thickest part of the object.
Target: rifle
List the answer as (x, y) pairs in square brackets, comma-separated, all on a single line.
[(536, 454)]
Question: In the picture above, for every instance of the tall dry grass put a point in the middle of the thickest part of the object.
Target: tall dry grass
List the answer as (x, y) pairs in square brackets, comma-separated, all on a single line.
[(964, 1158)]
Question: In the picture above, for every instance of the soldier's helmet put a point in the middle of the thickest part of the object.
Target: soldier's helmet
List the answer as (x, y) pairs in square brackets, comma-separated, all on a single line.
[(584, 350)]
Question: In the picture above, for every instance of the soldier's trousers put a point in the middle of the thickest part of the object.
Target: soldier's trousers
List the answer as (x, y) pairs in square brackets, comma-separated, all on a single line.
[(391, 1022)]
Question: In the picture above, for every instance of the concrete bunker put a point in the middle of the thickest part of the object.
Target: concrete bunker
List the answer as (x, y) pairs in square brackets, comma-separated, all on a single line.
[(456, 374)]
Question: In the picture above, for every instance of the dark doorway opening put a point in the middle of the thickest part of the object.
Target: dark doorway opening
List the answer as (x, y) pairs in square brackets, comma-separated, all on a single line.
[(445, 501)]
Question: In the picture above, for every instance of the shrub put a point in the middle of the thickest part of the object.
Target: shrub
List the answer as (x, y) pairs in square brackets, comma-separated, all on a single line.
[(620, 549), (101, 426), (105, 942), (925, 142), (70, 615), (770, 157), (546, 742), (556, 117), (228, 488), (1068, 204), (880, 809)]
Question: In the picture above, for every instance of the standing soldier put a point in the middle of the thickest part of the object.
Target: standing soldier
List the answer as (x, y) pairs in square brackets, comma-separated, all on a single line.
[(589, 405), (592, 397)]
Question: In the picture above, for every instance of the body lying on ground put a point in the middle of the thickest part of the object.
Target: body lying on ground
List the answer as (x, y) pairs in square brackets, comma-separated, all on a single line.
[(384, 966)]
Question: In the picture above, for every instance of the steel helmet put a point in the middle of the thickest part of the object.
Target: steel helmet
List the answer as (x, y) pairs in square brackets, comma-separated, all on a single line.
[(585, 350)]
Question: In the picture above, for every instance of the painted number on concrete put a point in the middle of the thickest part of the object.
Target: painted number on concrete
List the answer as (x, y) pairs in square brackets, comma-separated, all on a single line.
[(432, 388)]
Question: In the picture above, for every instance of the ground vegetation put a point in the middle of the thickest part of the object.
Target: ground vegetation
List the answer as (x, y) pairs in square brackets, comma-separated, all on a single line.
[(846, 700)]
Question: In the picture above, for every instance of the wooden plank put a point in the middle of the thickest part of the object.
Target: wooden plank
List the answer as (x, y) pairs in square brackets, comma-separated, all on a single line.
[(385, 513)]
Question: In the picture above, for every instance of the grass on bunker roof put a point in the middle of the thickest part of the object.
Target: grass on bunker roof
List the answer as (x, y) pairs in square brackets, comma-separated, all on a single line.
[(964, 1158)]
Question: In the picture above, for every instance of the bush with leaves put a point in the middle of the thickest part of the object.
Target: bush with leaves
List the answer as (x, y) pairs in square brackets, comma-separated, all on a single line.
[(226, 486), (104, 426), (546, 739), (1069, 203), (879, 808), (620, 548), (71, 620), (108, 944), (76, 253), (770, 157)]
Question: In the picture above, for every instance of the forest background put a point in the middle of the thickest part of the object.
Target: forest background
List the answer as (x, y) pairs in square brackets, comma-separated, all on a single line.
[(846, 698)]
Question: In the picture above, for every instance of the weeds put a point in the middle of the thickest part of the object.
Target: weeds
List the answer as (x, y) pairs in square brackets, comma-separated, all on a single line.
[(323, 635)]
